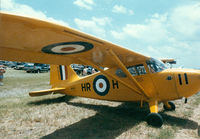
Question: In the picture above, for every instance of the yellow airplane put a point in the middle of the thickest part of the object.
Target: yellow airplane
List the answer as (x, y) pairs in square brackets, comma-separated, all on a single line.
[(123, 75)]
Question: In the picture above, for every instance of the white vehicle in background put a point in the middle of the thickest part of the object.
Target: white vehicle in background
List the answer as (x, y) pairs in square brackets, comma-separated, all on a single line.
[(19, 66)]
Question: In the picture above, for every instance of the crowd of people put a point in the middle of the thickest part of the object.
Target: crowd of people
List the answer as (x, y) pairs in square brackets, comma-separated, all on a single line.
[(88, 70), (83, 70)]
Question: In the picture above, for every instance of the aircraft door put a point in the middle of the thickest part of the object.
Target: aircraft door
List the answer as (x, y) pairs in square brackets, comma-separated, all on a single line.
[(140, 74)]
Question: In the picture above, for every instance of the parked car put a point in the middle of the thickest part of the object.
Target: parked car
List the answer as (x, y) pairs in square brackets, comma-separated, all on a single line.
[(19, 66), (28, 67), (2, 62), (36, 68), (10, 64)]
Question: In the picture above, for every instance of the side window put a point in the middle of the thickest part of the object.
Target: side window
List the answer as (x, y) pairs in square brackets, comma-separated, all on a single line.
[(140, 69), (120, 73), (132, 71)]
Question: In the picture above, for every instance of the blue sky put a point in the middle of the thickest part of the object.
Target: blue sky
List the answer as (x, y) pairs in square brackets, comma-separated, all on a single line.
[(157, 28)]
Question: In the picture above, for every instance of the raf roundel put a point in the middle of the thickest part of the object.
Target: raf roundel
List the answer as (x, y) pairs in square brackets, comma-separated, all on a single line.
[(101, 85), (65, 48)]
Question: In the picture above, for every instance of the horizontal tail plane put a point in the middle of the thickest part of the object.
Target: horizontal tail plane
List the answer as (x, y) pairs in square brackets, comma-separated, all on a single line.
[(167, 60), (46, 92), (58, 75)]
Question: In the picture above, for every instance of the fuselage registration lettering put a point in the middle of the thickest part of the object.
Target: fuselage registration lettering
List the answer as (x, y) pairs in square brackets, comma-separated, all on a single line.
[(115, 84), (87, 86)]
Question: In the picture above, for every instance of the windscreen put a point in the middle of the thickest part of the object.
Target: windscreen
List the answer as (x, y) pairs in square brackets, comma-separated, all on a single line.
[(155, 65)]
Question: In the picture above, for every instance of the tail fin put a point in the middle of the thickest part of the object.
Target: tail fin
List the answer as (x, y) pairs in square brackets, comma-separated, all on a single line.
[(61, 73)]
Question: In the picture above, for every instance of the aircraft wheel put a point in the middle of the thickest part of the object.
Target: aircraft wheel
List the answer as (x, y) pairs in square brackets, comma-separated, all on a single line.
[(172, 105), (37, 71), (154, 119)]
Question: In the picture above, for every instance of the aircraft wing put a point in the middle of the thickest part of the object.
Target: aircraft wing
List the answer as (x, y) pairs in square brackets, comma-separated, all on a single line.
[(32, 40)]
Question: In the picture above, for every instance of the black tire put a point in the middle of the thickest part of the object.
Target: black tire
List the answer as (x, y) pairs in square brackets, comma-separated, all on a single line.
[(37, 71), (172, 105), (155, 120)]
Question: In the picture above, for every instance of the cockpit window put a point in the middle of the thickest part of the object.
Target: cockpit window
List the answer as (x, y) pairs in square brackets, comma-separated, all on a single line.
[(140, 69), (137, 70), (155, 65), (134, 70)]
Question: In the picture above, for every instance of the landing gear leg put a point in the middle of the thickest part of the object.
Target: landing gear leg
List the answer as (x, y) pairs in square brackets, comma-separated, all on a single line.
[(154, 118), (169, 106)]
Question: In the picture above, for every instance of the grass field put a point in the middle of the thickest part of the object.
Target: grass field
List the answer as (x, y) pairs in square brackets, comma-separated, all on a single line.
[(24, 117)]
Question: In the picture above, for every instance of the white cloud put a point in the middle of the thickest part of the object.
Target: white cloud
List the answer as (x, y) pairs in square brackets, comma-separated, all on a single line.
[(153, 30), (101, 21), (95, 26), (7, 4), (186, 20), (10, 6), (182, 24), (121, 9), (118, 35), (174, 34), (87, 4)]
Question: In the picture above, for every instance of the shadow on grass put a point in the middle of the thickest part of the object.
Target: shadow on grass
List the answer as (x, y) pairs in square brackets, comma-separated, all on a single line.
[(180, 122), (199, 130), (51, 100), (110, 122)]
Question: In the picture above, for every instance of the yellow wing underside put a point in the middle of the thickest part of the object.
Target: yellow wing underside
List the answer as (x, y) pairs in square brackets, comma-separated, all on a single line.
[(31, 40), (26, 39)]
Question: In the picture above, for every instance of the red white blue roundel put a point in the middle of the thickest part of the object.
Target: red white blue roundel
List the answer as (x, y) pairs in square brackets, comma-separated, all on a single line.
[(65, 48), (101, 85)]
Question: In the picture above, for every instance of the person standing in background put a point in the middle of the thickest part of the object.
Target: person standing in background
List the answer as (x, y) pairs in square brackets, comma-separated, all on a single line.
[(2, 71)]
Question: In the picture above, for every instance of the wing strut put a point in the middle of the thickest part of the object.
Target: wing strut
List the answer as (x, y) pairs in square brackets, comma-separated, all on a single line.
[(112, 76), (124, 69)]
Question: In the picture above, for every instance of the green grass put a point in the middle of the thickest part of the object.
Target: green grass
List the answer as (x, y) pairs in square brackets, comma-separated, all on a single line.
[(18, 82), (166, 133), (60, 116)]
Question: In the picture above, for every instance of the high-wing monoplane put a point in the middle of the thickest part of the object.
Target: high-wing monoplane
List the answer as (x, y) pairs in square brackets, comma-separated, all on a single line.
[(123, 75)]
